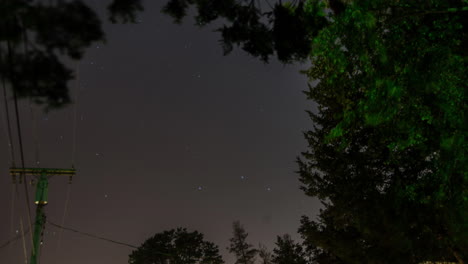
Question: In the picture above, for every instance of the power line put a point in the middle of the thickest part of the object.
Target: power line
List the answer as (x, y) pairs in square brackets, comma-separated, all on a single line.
[(35, 134), (75, 111), (7, 114), (104, 239), (13, 239), (13, 82), (91, 235)]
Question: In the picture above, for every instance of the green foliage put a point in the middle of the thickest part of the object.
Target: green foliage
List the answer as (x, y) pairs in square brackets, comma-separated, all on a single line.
[(176, 246), (388, 151), (387, 155), (392, 98)]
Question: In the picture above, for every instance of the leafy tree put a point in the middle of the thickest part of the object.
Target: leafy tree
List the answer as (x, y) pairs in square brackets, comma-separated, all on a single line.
[(289, 252), (391, 96), (285, 30), (264, 255), (245, 253), (176, 246), (387, 155), (35, 38)]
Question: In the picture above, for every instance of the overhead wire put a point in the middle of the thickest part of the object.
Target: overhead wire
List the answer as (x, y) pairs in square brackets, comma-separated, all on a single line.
[(13, 239), (74, 136), (75, 112), (59, 242), (91, 235), (24, 241), (8, 132), (35, 134), (18, 126), (7, 114), (25, 40), (12, 208), (104, 239)]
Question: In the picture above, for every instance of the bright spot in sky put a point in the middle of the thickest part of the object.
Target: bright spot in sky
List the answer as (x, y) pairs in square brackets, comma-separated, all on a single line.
[(200, 188)]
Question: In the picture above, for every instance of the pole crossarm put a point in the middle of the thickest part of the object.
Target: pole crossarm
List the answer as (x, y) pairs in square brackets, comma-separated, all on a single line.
[(40, 171), (42, 190)]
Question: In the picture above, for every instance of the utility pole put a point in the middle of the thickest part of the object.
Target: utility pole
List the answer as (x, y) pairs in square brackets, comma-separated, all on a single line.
[(40, 199)]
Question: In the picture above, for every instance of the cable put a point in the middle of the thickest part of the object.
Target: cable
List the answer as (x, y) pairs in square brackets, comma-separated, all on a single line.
[(91, 235), (75, 112), (35, 136), (24, 241), (75, 115), (34, 123), (18, 125), (103, 238), (7, 114), (59, 243), (13, 239), (12, 209)]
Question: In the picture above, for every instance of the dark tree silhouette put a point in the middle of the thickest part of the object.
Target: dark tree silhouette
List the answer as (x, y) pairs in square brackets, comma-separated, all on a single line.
[(176, 246), (387, 156), (289, 252), (245, 253), (34, 38), (264, 255)]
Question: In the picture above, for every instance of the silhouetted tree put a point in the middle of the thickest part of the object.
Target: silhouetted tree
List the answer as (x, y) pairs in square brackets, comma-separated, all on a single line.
[(35, 37), (286, 30), (387, 154), (264, 255), (245, 253), (176, 246), (288, 252)]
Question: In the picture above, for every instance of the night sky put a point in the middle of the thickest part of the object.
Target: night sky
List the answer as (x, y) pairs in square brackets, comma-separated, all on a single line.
[(169, 133)]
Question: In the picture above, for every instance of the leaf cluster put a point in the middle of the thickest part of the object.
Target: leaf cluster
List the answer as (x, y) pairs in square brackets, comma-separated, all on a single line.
[(36, 38), (245, 252), (176, 246), (285, 31), (382, 156)]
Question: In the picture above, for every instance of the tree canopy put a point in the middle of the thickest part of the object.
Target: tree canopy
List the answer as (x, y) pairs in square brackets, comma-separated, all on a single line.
[(176, 246), (244, 252), (264, 255), (387, 155), (36, 37), (289, 252)]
